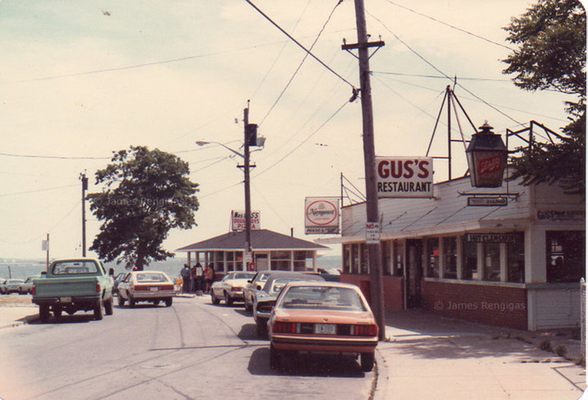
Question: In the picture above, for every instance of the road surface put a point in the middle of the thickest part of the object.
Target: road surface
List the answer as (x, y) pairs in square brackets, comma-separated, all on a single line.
[(193, 350)]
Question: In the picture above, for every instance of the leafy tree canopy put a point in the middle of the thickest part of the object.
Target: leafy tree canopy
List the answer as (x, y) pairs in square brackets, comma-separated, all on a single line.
[(146, 193), (551, 55)]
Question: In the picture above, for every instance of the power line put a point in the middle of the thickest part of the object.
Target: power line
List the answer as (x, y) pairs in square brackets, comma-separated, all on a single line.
[(53, 157), (220, 190), (299, 44), (440, 76), (37, 190), (300, 64), (451, 26), (305, 140)]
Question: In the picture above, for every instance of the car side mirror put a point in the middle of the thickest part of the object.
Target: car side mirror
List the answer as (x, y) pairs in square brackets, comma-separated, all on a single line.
[(43, 272), (249, 281), (111, 272), (258, 287)]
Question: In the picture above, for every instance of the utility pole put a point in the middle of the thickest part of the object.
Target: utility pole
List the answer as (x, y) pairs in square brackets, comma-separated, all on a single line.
[(373, 215), (84, 180), (246, 167), (47, 249)]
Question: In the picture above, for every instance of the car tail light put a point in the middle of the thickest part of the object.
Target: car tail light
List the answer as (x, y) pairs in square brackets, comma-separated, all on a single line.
[(33, 290), (364, 330), (166, 287), (98, 288), (236, 289), (285, 327)]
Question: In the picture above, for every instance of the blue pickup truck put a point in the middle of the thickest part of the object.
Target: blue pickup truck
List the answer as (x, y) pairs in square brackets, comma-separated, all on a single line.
[(72, 285)]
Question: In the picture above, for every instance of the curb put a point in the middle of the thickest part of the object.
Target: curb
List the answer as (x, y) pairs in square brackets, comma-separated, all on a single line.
[(382, 379)]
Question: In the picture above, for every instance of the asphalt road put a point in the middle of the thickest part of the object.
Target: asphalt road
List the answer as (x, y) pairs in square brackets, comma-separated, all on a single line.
[(193, 350)]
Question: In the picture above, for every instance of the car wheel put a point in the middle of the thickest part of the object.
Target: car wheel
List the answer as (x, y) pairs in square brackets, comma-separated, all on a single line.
[(168, 302), (57, 311), (261, 328), (98, 312), (214, 299), (248, 306), (121, 301), (44, 313), (131, 301), (274, 358), (108, 307), (228, 300), (367, 361), (156, 302)]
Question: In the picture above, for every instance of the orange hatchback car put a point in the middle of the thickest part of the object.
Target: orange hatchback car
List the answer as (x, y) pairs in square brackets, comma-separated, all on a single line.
[(322, 317)]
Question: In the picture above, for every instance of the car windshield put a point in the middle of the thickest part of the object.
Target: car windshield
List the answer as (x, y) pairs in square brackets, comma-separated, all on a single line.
[(322, 298), (150, 277), (279, 284), (75, 267), (15, 281)]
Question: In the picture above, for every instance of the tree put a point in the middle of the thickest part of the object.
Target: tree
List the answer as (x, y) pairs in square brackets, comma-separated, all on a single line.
[(551, 55), (146, 193)]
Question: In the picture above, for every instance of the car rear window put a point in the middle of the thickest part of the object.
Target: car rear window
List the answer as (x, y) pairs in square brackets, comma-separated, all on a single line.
[(151, 278), (322, 298), (75, 268), (242, 275)]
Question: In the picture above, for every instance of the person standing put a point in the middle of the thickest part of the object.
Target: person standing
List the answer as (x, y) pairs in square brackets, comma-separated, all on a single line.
[(193, 279), (209, 277), (199, 275), (185, 273)]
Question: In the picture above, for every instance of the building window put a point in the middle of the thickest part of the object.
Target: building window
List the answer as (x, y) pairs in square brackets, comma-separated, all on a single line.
[(231, 261), (516, 259), (280, 260), (433, 258), (398, 258), (364, 259), (450, 257), (386, 258), (470, 260), (492, 261), (347, 258), (566, 257), (355, 258), (300, 260)]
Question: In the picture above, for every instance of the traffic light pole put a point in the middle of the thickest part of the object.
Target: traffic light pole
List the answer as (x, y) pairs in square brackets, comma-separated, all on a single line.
[(373, 245)]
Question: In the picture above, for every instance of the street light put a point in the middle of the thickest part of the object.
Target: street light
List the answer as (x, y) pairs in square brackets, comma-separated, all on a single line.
[(486, 156), (250, 139)]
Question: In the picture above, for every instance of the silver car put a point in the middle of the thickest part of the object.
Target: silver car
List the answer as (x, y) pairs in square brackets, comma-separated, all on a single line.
[(148, 286), (13, 286)]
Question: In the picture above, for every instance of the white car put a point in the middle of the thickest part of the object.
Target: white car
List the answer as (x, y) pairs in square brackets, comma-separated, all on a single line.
[(148, 286), (27, 286), (13, 286), (230, 288)]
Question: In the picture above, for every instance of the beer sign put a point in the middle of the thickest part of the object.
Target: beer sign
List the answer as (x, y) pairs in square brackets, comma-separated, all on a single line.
[(321, 215), (404, 177)]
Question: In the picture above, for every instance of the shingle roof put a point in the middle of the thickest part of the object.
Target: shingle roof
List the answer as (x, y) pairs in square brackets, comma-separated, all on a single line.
[(262, 239)]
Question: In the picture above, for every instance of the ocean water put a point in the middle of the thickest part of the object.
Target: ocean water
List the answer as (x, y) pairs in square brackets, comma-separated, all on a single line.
[(22, 269)]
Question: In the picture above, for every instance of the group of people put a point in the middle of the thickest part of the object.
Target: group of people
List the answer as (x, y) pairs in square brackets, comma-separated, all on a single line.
[(197, 278)]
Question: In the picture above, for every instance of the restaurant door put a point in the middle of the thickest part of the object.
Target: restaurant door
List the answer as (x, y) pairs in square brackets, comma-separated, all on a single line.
[(261, 261), (414, 272)]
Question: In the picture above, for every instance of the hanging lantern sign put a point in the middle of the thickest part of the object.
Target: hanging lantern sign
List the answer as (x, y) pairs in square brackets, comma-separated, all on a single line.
[(487, 157)]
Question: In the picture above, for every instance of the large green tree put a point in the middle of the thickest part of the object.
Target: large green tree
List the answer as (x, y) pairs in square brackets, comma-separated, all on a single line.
[(145, 194), (551, 55)]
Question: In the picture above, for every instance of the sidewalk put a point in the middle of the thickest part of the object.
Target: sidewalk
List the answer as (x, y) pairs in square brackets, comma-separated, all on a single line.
[(16, 310), (432, 357)]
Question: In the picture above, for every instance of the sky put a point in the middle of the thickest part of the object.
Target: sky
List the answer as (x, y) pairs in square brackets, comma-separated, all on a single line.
[(84, 79)]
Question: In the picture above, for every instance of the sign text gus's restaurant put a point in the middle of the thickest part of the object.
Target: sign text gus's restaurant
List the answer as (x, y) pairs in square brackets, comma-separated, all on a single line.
[(406, 177), (238, 220), (321, 215)]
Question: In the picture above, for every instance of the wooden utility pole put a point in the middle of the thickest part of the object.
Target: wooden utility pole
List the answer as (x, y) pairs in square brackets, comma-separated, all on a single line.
[(373, 215), (246, 167), (84, 180), (47, 249)]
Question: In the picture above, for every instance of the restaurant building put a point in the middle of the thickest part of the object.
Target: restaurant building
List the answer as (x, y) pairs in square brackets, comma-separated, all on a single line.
[(270, 251), (517, 265)]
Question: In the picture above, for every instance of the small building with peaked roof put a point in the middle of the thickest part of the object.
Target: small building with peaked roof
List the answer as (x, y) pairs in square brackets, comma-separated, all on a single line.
[(270, 251)]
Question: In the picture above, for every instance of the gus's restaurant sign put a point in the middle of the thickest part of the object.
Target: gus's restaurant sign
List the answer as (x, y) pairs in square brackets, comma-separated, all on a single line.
[(321, 215), (404, 177), (238, 220)]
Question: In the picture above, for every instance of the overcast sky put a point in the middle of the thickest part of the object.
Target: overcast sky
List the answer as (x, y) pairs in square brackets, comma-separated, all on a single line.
[(81, 79)]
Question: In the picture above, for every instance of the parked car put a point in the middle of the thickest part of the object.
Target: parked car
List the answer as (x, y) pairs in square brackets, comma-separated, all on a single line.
[(322, 317), (230, 288), (119, 278), (72, 285), (264, 300), (253, 285), (27, 286), (12, 286), (146, 286), (2, 285)]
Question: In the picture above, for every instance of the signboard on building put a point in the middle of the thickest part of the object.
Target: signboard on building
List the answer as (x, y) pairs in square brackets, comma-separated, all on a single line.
[(321, 215), (490, 238), (404, 177), (487, 201), (372, 233), (561, 215), (238, 220)]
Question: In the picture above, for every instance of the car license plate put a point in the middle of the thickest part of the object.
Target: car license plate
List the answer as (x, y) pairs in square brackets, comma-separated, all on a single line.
[(65, 299), (325, 329), (154, 289)]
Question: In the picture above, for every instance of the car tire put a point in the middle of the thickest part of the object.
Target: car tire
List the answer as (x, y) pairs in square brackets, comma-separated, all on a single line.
[(156, 302), (108, 307), (57, 311), (261, 326), (214, 299), (274, 358), (98, 311), (121, 301), (248, 307), (228, 300), (131, 301), (168, 302), (44, 313), (367, 361)]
